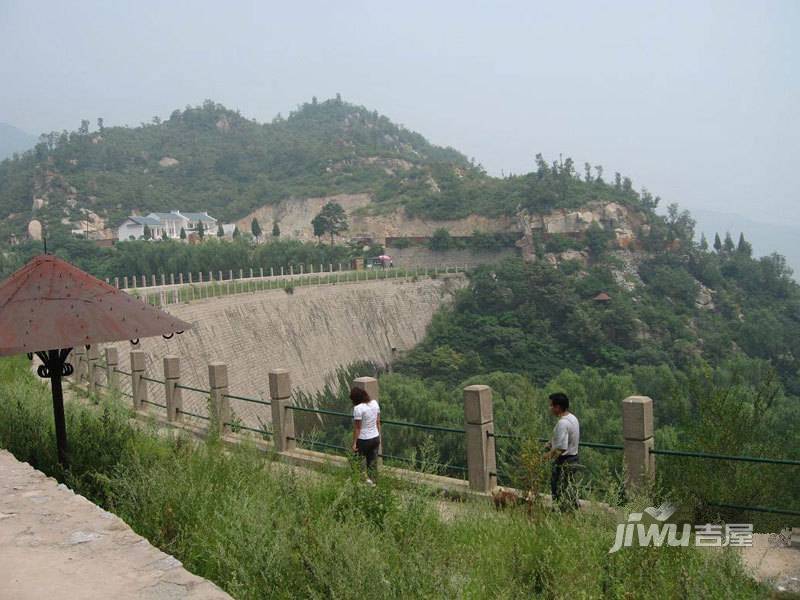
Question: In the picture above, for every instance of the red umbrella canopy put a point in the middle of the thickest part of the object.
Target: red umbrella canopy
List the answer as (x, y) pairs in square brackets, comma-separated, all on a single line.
[(50, 304)]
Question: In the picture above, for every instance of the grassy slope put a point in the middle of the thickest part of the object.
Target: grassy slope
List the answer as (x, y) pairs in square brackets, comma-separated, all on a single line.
[(261, 533)]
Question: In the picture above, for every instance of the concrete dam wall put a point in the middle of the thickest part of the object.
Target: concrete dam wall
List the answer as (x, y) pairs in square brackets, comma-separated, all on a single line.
[(311, 332)]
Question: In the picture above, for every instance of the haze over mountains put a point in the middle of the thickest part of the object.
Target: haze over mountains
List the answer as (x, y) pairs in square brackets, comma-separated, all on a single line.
[(765, 237), (14, 140)]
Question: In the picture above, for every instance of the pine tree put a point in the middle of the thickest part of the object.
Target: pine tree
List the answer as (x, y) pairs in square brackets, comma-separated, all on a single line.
[(164, 236), (703, 242), (236, 233), (744, 247), (717, 242), (201, 230), (276, 230), (255, 228), (220, 231), (183, 233), (727, 245), (146, 233)]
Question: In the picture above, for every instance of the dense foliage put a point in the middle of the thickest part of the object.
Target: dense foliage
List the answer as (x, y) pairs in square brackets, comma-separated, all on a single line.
[(722, 369), (153, 258), (261, 531)]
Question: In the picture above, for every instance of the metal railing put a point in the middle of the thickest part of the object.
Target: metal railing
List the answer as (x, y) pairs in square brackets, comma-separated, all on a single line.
[(735, 458), (236, 425), (508, 436), (163, 294), (390, 422), (753, 459)]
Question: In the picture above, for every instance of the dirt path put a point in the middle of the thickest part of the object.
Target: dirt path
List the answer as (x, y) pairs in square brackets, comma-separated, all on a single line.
[(772, 560)]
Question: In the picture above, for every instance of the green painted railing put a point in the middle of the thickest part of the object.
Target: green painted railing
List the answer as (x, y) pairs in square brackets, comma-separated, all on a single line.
[(754, 459)]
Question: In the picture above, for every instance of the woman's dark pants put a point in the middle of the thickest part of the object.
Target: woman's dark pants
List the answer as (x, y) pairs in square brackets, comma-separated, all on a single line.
[(369, 450)]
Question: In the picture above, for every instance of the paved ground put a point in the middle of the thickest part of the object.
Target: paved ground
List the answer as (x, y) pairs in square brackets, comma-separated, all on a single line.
[(772, 560), (56, 544)]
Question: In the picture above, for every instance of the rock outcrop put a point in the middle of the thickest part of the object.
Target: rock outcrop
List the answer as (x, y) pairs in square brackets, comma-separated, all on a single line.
[(625, 223)]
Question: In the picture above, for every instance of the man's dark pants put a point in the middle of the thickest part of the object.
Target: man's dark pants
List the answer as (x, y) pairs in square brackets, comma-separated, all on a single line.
[(562, 483)]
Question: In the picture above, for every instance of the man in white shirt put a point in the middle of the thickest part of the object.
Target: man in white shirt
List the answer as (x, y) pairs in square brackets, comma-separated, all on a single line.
[(563, 451)]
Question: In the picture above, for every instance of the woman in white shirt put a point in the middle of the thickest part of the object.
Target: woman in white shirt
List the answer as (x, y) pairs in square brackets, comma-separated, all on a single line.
[(366, 429)]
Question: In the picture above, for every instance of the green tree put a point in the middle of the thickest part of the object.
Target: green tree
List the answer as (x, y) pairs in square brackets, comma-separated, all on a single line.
[(164, 236), (331, 220), (147, 233), (680, 224), (727, 245), (220, 231), (703, 242), (236, 232), (597, 240), (717, 243), (744, 247), (255, 228), (201, 230), (440, 240), (276, 230), (183, 233)]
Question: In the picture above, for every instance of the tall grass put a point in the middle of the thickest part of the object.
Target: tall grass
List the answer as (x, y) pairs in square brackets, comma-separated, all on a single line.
[(260, 530)]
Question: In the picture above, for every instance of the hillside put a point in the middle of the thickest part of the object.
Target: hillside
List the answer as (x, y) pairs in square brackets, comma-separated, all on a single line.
[(211, 158)]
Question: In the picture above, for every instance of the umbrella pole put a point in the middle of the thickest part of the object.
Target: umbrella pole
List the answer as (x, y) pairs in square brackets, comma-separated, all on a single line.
[(55, 365), (61, 424)]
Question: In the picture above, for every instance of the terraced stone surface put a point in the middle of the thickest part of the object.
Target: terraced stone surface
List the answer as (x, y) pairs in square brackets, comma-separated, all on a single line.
[(57, 544)]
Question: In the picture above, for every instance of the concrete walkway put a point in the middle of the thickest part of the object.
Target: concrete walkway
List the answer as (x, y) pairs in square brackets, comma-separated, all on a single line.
[(56, 544)]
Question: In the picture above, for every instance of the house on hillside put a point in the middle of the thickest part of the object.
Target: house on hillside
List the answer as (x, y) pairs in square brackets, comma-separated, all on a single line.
[(169, 224), (133, 227), (194, 219)]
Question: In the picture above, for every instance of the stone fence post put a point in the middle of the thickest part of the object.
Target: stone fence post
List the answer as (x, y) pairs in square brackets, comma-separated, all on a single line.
[(112, 362), (637, 431), (138, 385), (479, 426), (172, 393), (218, 382), (370, 385), (79, 363), (92, 356), (280, 391)]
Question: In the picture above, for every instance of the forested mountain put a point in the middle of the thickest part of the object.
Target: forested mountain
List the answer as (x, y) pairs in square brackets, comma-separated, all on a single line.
[(212, 158)]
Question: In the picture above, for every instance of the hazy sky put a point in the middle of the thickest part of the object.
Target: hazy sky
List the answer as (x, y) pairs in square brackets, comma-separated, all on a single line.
[(698, 101)]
